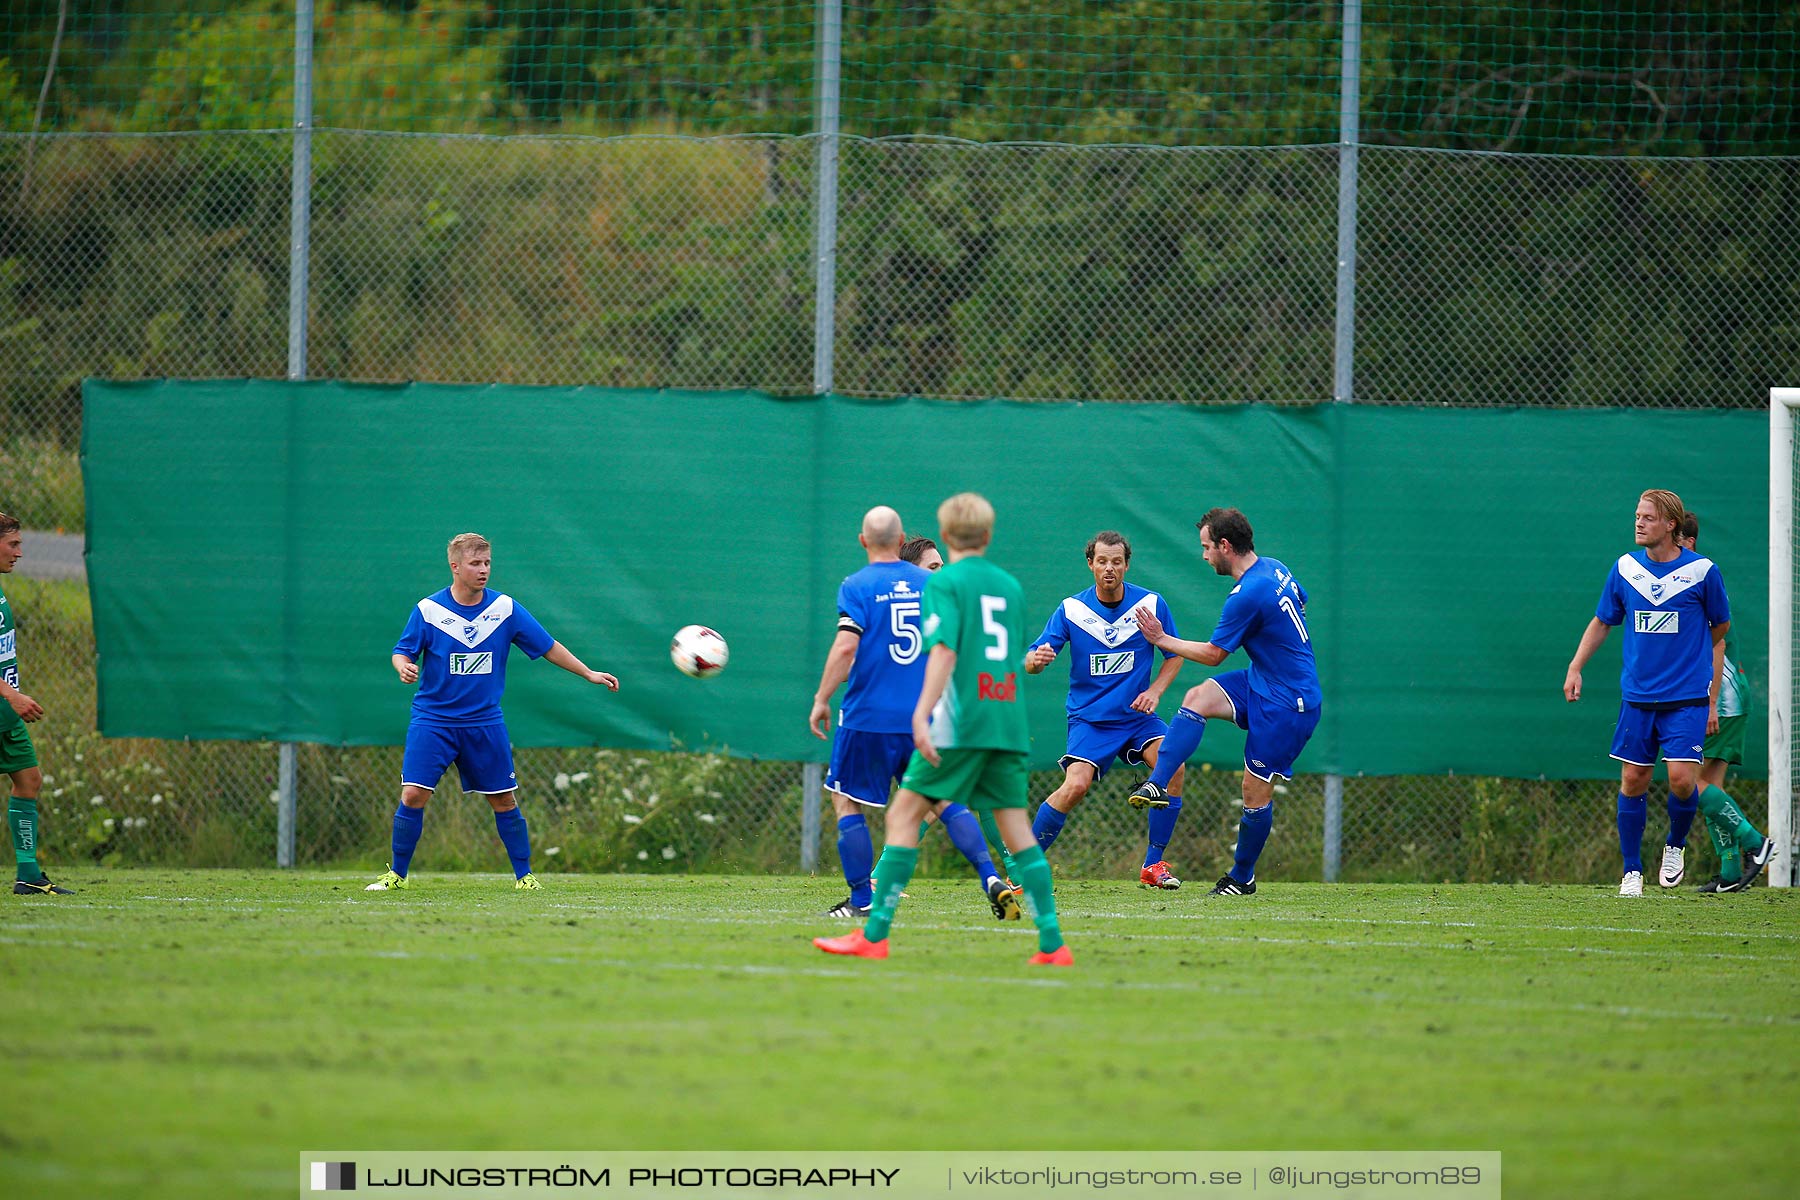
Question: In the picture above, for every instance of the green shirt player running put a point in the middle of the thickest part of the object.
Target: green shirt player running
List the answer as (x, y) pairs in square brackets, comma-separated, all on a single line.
[(18, 758), (970, 736)]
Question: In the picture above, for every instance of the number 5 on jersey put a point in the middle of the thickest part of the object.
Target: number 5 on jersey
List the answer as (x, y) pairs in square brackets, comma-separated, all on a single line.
[(991, 608), (904, 620)]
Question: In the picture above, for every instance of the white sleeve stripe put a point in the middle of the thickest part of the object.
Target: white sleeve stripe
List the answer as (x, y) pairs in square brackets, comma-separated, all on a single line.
[(846, 624)]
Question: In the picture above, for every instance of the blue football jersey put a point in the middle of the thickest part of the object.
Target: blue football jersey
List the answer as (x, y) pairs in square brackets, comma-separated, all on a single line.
[(1266, 615), (1110, 663), (1668, 638), (461, 651), (880, 604)]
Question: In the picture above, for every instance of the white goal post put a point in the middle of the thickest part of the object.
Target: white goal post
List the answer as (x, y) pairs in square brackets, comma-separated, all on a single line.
[(1782, 402)]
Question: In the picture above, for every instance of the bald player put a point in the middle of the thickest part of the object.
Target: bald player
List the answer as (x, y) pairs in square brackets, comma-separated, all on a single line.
[(878, 652)]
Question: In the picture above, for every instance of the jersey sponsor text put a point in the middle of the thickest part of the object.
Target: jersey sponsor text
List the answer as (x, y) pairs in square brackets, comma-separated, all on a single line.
[(1004, 690)]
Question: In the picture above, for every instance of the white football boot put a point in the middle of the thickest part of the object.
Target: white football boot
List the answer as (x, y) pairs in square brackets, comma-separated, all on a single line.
[(1673, 868)]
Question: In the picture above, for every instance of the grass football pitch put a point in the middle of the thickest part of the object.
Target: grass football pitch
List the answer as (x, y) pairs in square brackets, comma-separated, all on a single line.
[(188, 1033)]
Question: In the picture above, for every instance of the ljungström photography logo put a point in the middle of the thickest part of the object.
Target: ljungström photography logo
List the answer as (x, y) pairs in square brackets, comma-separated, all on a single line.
[(334, 1177)]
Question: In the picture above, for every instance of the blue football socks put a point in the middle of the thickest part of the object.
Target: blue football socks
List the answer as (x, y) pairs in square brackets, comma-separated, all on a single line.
[(964, 832), (511, 826), (1162, 828), (1046, 825), (1253, 831), (1681, 816), (856, 854), (1185, 732), (1633, 813), (409, 823)]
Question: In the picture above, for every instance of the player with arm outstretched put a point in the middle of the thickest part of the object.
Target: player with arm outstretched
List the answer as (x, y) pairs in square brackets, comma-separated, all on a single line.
[(969, 730), (1276, 701), (455, 646), (1115, 685), (18, 757), (880, 652), (1674, 647)]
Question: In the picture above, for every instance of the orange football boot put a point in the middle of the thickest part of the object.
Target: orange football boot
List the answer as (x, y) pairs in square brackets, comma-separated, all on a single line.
[(853, 943), (1158, 875)]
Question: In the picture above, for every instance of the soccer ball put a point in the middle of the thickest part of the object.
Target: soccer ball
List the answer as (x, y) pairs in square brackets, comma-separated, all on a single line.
[(698, 651)]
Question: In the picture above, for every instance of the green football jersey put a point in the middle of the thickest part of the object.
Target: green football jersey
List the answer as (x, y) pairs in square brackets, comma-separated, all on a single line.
[(978, 610), (9, 660), (1734, 690)]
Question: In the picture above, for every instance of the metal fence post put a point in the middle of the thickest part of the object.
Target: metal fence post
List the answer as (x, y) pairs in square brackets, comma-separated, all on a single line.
[(1343, 369), (299, 246), (826, 197), (825, 214), (1343, 374), (1334, 826), (811, 793)]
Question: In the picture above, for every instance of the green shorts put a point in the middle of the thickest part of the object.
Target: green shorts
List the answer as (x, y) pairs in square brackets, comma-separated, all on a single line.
[(1728, 743), (16, 751), (982, 779)]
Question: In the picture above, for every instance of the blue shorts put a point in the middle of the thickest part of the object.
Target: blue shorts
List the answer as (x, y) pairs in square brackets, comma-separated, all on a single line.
[(1097, 743), (863, 764), (482, 754), (1274, 733), (1680, 733)]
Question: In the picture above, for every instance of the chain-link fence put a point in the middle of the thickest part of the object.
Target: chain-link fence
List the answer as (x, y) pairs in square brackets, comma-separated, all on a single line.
[(1095, 273), (596, 242)]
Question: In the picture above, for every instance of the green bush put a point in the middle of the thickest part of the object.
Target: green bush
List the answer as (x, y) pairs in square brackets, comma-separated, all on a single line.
[(40, 483)]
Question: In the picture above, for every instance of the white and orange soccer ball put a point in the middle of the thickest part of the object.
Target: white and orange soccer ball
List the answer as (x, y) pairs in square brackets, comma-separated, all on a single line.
[(699, 651)]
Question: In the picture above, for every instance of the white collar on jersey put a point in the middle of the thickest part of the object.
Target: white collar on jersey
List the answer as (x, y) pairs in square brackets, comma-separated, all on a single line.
[(1660, 591), (1098, 627), (470, 631)]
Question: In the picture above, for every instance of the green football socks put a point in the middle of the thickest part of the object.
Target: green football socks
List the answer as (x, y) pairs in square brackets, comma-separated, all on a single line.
[(991, 832), (1731, 862), (892, 874), (1717, 806), (21, 818), (1731, 831), (1034, 877)]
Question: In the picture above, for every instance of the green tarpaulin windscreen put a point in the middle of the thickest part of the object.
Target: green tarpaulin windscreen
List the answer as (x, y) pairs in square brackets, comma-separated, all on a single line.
[(255, 547)]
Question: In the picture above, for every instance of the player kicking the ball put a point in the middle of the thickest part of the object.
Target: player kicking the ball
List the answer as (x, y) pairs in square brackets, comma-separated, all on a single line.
[(1114, 688), (1276, 702), (969, 731), (460, 638)]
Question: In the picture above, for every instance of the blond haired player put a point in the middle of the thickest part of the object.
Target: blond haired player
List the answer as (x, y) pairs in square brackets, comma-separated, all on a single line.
[(454, 647), (1673, 606), (969, 731)]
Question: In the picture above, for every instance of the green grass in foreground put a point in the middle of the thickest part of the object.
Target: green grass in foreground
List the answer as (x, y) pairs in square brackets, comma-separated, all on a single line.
[(183, 1033)]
